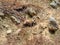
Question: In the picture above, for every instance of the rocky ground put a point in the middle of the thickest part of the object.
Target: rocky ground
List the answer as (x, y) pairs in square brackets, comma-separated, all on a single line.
[(29, 22)]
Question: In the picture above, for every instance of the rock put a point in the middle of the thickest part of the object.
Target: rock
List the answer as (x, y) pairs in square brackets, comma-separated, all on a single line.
[(15, 19), (53, 26), (27, 9), (9, 31), (29, 23), (30, 11), (58, 2), (20, 9), (53, 22), (53, 4)]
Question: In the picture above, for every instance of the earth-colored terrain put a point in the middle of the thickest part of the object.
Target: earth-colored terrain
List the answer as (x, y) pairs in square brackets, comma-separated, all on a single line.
[(29, 22)]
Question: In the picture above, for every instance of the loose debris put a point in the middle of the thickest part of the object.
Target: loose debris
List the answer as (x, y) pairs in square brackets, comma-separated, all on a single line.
[(53, 26), (18, 14), (29, 23), (28, 9), (28, 31)]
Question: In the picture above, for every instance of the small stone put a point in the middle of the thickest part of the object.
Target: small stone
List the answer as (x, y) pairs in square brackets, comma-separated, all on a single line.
[(17, 31), (58, 2), (53, 26), (53, 4), (15, 19), (29, 23), (9, 31), (5, 25), (52, 19), (20, 9), (53, 22), (1, 14), (30, 11)]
